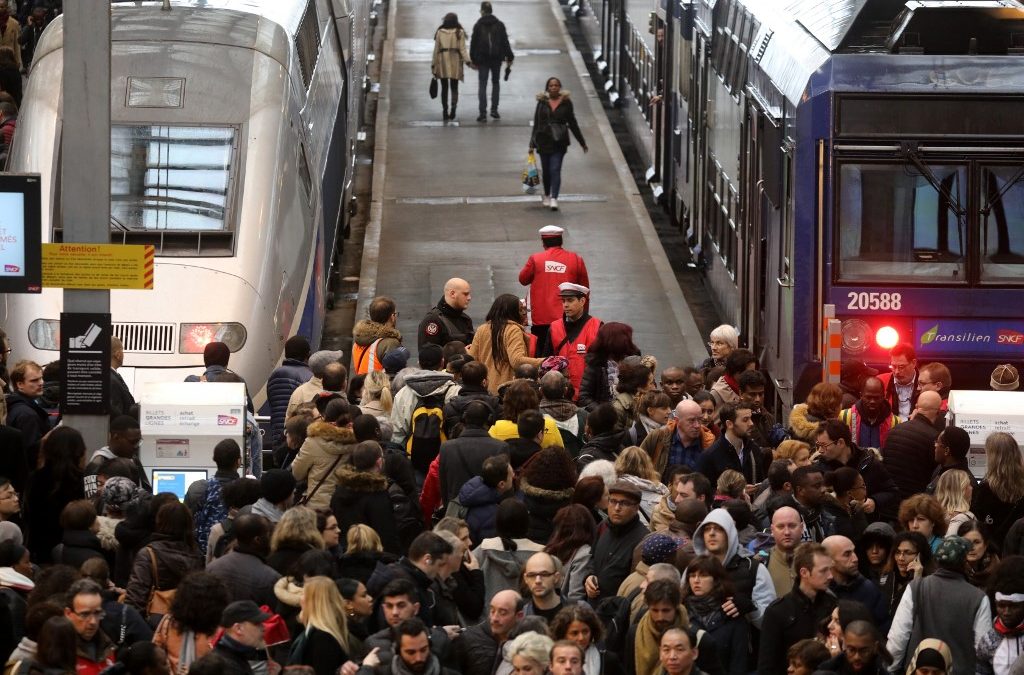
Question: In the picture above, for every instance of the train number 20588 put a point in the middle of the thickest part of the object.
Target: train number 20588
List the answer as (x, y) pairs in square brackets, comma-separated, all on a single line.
[(875, 301)]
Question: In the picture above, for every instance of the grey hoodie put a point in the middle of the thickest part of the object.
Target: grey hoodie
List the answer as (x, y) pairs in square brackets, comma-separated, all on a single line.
[(418, 385), (503, 570)]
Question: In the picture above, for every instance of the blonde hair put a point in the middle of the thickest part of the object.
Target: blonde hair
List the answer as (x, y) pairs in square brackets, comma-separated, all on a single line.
[(1005, 471), (377, 387), (731, 483), (363, 538), (789, 448), (533, 646), (949, 491), (298, 525), (636, 462), (324, 609)]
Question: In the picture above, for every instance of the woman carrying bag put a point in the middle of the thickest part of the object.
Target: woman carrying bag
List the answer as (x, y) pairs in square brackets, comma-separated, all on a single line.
[(450, 55), (552, 121)]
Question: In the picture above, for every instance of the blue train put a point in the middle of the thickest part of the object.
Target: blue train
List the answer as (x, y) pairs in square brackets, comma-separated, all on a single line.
[(861, 154)]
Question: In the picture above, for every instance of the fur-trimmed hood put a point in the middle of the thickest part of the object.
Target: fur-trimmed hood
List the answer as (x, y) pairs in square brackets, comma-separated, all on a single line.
[(106, 532), (541, 493), (330, 438), (359, 481), (287, 591), (366, 331), (544, 96), (803, 424)]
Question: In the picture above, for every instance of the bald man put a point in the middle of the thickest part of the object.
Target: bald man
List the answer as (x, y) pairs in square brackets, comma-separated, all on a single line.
[(121, 399), (847, 581), (448, 320), (909, 451), (681, 441), (542, 577), (478, 647), (787, 531)]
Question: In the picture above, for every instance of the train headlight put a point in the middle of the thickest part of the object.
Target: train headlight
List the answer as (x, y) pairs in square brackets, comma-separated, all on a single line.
[(44, 334), (193, 337), (887, 337), (855, 336)]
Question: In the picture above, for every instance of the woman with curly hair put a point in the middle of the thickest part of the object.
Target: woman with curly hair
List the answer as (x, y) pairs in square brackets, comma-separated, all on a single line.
[(185, 632), (570, 542), (823, 403), (295, 534), (634, 466), (519, 397), (547, 482), (923, 514), (601, 373), (501, 342), (580, 624)]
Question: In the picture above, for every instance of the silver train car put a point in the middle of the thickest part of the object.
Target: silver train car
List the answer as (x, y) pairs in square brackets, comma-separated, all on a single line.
[(233, 134)]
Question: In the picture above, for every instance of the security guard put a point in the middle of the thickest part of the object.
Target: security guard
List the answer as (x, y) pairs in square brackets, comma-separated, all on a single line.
[(447, 321), (543, 273)]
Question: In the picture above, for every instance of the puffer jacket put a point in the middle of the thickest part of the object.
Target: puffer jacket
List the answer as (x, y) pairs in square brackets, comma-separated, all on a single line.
[(481, 502), (284, 380), (450, 53), (366, 331), (174, 561), (503, 569), (803, 425), (517, 351), (594, 388), (419, 384), (544, 117), (543, 505), (323, 445), (362, 497)]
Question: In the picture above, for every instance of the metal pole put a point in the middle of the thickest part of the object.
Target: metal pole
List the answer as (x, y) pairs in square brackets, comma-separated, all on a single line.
[(85, 167)]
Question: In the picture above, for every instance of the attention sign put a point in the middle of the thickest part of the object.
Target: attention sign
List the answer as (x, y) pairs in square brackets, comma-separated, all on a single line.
[(98, 266)]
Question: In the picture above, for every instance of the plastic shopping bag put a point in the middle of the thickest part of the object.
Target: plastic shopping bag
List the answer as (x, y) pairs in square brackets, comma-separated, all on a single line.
[(531, 177)]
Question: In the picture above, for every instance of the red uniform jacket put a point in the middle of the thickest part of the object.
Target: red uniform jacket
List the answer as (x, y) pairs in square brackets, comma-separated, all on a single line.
[(574, 350), (543, 272)]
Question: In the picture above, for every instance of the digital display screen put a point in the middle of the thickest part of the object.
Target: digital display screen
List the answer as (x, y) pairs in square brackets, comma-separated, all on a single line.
[(177, 482), (20, 234)]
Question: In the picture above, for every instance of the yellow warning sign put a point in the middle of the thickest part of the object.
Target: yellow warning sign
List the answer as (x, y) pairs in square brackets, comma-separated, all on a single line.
[(98, 266)]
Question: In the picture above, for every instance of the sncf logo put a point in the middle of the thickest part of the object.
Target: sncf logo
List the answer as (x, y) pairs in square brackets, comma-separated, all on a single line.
[(552, 266), (1005, 336), (227, 421), (16, 269)]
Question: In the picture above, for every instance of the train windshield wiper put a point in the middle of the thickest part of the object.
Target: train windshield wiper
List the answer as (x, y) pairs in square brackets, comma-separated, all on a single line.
[(998, 197), (909, 152)]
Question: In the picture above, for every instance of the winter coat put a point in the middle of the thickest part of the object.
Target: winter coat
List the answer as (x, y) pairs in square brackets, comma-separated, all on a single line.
[(724, 391), (283, 380), (575, 573), (489, 45), (246, 576), (14, 459), (365, 333), (443, 324), (481, 502), (503, 569), (505, 430), (171, 637), (789, 619), (651, 494), (362, 497), (658, 445), (867, 593), (456, 406), (361, 564), (544, 118), (477, 650), (994, 512), (517, 353), (605, 446), (543, 505), (76, 547), (612, 557), (594, 389), (463, 457), (450, 54), (43, 503), (322, 652), (419, 384), (723, 456), (286, 556), (880, 485), (174, 560), (909, 455), (304, 393), (730, 636), (803, 425), (324, 444), (28, 417), (404, 569)]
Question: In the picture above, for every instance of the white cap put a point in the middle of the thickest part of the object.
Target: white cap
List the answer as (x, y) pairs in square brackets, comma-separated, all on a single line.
[(551, 231), (569, 289)]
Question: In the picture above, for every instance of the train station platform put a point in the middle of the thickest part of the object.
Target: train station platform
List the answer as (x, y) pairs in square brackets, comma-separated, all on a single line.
[(447, 199)]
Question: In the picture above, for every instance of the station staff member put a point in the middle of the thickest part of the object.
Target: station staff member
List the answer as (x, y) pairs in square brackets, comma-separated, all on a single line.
[(543, 273), (572, 334)]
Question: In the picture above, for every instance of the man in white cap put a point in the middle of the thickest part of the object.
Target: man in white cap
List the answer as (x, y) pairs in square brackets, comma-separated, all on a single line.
[(543, 273), (570, 335)]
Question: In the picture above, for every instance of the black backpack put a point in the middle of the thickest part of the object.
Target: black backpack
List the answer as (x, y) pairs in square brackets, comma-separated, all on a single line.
[(226, 543), (614, 615)]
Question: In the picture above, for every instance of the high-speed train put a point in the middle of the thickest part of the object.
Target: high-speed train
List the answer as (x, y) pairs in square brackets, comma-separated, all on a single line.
[(233, 134)]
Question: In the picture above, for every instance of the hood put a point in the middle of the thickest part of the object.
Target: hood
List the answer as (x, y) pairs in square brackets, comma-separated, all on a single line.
[(543, 96), (360, 481), (429, 382), (509, 563), (939, 646), (106, 534), (802, 422), (645, 485), (103, 452), (721, 518), (541, 493), (287, 591), (15, 399), (9, 578), (475, 492), (366, 331), (330, 438), (487, 20)]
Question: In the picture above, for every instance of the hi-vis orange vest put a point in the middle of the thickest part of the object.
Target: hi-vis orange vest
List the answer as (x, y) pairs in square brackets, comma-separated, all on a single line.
[(574, 350), (364, 359)]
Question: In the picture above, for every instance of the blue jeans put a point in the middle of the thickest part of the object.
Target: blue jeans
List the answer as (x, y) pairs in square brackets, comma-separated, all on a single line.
[(482, 73), (551, 173)]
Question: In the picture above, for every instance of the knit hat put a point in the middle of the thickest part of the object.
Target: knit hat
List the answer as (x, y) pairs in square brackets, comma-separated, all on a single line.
[(118, 492), (395, 360), (1005, 378), (659, 548), (930, 658), (952, 552)]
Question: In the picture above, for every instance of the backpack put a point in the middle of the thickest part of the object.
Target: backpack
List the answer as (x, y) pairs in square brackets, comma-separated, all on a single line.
[(408, 519), (427, 432), (614, 615), (210, 513), (226, 542)]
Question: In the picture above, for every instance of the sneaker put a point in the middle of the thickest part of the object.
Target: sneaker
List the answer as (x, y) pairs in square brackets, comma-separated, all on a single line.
[(554, 204), (495, 115), (545, 201), (482, 118)]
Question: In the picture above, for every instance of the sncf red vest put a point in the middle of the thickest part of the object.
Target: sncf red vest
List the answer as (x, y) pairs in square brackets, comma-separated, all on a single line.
[(574, 350), (543, 272)]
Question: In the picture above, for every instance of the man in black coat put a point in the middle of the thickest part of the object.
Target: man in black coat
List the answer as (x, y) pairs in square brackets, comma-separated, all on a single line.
[(618, 536), (398, 603), (23, 412), (428, 554), (479, 647), (474, 388), (448, 321), (488, 49), (463, 457), (361, 495), (734, 449), (835, 443), (951, 448), (909, 452), (604, 442), (121, 399)]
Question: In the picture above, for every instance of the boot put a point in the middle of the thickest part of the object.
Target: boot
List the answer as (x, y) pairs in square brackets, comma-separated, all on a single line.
[(452, 116), (444, 115)]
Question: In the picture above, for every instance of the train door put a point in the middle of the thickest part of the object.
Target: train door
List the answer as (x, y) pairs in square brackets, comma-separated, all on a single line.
[(749, 253), (699, 108), (665, 67)]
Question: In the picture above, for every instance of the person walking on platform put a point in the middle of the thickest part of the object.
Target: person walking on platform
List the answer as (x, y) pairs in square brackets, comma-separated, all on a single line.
[(489, 48), (448, 320), (544, 273), (552, 121), (449, 57)]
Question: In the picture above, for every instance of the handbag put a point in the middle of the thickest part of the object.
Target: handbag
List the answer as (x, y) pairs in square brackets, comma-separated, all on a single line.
[(159, 601), (433, 87)]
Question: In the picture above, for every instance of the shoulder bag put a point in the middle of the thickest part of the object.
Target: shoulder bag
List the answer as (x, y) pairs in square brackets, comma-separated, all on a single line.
[(159, 601)]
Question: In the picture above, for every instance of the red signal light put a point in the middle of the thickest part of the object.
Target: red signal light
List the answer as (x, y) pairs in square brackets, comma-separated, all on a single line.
[(887, 337)]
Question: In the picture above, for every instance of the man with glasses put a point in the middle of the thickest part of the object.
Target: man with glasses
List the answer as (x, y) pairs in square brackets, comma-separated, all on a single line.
[(863, 651), (84, 609), (936, 377), (836, 448), (542, 577), (901, 382), (613, 552)]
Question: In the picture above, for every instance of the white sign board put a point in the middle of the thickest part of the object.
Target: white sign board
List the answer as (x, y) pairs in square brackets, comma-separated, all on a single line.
[(981, 413)]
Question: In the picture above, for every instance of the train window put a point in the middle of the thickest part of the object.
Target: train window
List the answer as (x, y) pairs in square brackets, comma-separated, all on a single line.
[(1002, 223), (170, 178), (894, 224), (307, 42)]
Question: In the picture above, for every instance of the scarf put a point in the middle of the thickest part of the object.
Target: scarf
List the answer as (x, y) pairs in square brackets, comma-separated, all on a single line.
[(649, 424), (704, 608), (613, 376), (1001, 628), (398, 666), (731, 381), (648, 643), (592, 659)]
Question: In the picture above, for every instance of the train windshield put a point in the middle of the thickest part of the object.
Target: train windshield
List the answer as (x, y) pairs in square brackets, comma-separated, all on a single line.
[(897, 223), (1002, 223), (170, 178)]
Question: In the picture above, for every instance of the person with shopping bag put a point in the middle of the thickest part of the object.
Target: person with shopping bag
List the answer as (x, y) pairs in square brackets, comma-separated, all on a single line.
[(552, 121)]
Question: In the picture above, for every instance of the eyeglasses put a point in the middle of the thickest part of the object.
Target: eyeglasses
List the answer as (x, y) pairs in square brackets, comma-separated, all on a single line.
[(98, 614), (538, 575), (622, 503), (822, 446), (900, 553), (717, 343)]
